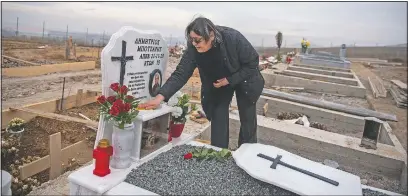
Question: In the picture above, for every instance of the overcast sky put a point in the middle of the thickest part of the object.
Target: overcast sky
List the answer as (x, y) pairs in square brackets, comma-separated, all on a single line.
[(323, 23)]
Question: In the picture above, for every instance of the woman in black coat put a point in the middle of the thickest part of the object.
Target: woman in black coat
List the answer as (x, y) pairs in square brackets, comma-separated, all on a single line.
[(227, 63)]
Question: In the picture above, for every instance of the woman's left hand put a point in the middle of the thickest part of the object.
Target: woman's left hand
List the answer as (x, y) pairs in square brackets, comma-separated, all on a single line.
[(221, 82)]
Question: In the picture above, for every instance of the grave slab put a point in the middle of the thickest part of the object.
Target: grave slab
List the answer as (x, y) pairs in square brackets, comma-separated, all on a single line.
[(326, 78), (272, 79), (292, 180), (322, 67), (314, 61), (323, 72), (123, 188), (385, 160)]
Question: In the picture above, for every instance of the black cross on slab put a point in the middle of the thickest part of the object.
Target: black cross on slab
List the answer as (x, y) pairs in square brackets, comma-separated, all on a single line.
[(123, 59), (277, 161)]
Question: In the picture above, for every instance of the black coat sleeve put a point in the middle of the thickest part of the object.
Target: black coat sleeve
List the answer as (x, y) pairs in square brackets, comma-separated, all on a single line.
[(248, 58), (180, 76)]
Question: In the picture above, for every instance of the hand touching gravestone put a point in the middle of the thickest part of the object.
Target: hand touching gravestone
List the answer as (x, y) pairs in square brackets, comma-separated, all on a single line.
[(138, 60)]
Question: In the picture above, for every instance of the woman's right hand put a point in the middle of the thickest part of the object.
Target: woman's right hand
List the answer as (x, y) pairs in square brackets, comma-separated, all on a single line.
[(152, 104)]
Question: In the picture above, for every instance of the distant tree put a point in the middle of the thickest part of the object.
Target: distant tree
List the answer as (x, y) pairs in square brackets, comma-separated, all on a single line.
[(279, 38)]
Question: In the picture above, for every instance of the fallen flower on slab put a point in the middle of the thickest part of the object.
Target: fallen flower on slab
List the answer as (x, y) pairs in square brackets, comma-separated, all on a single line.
[(188, 156)]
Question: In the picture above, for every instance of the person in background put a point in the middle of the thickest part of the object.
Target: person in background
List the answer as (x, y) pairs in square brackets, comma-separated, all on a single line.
[(227, 63), (288, 58)]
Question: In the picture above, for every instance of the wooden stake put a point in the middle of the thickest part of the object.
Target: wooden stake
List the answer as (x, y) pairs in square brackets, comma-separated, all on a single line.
[(79, 98), (62, 97), (55, 155)]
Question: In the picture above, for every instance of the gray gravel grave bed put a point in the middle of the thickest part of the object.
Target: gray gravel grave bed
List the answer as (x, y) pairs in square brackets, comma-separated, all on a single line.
[(170, 174), (368, 192)]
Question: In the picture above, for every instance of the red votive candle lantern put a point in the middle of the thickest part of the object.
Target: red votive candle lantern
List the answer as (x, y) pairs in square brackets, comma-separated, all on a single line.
[(102, 155)]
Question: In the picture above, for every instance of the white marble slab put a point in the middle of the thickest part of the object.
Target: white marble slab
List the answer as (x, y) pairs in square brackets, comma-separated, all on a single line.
[(291, 180), (84, 182), (125, 188), (85, 178), (145, 115)]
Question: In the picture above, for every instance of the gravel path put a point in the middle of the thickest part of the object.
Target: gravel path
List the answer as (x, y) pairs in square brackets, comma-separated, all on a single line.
[(368, 192), (170, 174)]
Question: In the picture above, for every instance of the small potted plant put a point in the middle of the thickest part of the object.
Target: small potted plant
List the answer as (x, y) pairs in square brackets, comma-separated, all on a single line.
[(121, 109), (16, 127), (180, 103)]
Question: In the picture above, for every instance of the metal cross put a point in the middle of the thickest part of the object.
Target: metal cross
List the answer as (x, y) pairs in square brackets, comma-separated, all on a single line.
[(123, 59), (277, 160)]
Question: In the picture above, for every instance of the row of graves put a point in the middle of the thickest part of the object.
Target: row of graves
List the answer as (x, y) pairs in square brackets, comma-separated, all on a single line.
[(124, 165)]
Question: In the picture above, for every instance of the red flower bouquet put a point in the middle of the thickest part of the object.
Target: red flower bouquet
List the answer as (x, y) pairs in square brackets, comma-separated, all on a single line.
[(120, 108)]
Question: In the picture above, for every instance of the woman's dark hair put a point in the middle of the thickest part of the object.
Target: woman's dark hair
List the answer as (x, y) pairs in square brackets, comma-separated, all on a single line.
[(202, 27)]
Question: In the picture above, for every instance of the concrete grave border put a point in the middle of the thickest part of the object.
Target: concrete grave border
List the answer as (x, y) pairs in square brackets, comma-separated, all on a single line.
[(386, 160), (273, 79)]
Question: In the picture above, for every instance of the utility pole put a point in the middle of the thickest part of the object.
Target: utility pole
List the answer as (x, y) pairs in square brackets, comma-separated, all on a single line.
[(66, 36), (263, 49), (17, 28), (86, 36), (103, 38), (331, 44), (43, 30), (92, 49), (285, 43)]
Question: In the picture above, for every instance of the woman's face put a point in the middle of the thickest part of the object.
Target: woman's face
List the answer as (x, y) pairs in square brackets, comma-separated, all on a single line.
[(199, 43)]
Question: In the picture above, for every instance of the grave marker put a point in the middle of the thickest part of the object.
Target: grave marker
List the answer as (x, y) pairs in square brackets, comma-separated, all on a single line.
[(294, 173), (342, 53), (137, 59)]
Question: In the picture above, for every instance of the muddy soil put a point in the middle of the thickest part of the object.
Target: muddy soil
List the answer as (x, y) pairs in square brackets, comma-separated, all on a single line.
[(350, 101), (50, 54), (35, 143), (17, 92), (386, 105), (318, 125), (90, 110)]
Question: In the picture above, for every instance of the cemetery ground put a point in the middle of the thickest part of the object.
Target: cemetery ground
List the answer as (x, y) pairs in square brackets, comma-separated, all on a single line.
[(42, 53), (17, 92)]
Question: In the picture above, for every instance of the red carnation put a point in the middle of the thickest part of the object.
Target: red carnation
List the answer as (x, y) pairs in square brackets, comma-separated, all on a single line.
[(127, 107), (188, 156), (114, 111), (123, 89), (111, 99), (115, 87), (101, 99)]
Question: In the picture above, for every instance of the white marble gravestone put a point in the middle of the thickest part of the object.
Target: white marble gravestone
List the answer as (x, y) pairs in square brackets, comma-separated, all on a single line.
[(246, 157), (137, 59)]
